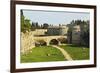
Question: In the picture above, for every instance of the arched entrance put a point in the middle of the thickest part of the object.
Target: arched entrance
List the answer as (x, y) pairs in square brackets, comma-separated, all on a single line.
[(54, 42), (40, 43), (63, 40)]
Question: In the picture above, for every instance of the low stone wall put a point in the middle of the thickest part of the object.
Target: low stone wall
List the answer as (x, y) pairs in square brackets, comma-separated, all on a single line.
[(27, 42)]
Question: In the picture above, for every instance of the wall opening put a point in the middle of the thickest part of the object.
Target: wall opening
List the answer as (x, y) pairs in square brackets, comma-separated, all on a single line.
[(63, 40), (54, 42), (40, 43)]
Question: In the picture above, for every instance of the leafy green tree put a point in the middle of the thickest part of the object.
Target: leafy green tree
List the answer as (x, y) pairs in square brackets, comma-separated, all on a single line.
[(33, 26), (85, 38), (36, 24), (25, 23), (85, 33)]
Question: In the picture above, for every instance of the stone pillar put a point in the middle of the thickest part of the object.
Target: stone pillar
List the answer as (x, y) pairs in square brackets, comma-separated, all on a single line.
[(47, 43), (59, 43)]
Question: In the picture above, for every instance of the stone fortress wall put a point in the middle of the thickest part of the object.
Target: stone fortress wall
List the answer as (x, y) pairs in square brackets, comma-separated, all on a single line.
[(76, 32), (40, 31), (28, 39), (27, 42)]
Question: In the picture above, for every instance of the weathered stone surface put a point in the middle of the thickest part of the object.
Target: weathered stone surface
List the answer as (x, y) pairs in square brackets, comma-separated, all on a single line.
[(27, 42)]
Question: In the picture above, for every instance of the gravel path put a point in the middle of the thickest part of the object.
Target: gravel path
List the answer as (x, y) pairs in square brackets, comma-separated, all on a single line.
[(65, 53)]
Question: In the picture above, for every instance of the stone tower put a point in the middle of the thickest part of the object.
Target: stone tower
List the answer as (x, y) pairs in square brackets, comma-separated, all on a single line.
[(76, 32)]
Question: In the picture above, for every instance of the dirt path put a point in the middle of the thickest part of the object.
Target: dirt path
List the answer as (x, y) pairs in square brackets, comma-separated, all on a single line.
[(65, 53)]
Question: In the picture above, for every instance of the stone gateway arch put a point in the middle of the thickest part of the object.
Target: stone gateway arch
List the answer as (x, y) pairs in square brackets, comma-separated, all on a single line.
[(48, 39)]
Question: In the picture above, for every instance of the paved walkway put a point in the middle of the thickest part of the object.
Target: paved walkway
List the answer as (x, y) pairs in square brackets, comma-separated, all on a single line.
[(65, 53)]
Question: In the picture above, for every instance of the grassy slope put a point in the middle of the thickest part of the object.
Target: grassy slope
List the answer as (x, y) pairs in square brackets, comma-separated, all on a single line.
[(77, 53), (43, 54)]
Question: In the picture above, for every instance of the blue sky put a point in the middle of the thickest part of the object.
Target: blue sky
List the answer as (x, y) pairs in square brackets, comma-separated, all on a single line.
[(53, 17)]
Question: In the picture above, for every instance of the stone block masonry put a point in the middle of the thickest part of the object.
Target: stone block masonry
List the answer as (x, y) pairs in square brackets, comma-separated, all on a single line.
[(27, 42)]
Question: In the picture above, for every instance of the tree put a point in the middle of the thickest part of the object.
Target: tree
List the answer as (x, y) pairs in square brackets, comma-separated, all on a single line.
[(36, 24), (85, 33), (25, 23), (85, 38), (59, 24), (45, 25), (33, 26), (22, 21), (72, 22)]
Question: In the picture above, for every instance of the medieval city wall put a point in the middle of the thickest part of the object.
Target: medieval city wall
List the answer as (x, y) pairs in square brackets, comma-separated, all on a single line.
[(27, 42)]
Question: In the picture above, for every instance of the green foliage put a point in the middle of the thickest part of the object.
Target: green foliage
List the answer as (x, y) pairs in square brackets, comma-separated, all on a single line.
[(22, 23), (35, 25), (25, 23), (85, 34), (85, 38)]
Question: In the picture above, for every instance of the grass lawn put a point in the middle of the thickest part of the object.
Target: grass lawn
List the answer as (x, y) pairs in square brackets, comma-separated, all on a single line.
[(43, 54), (76, 52)]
